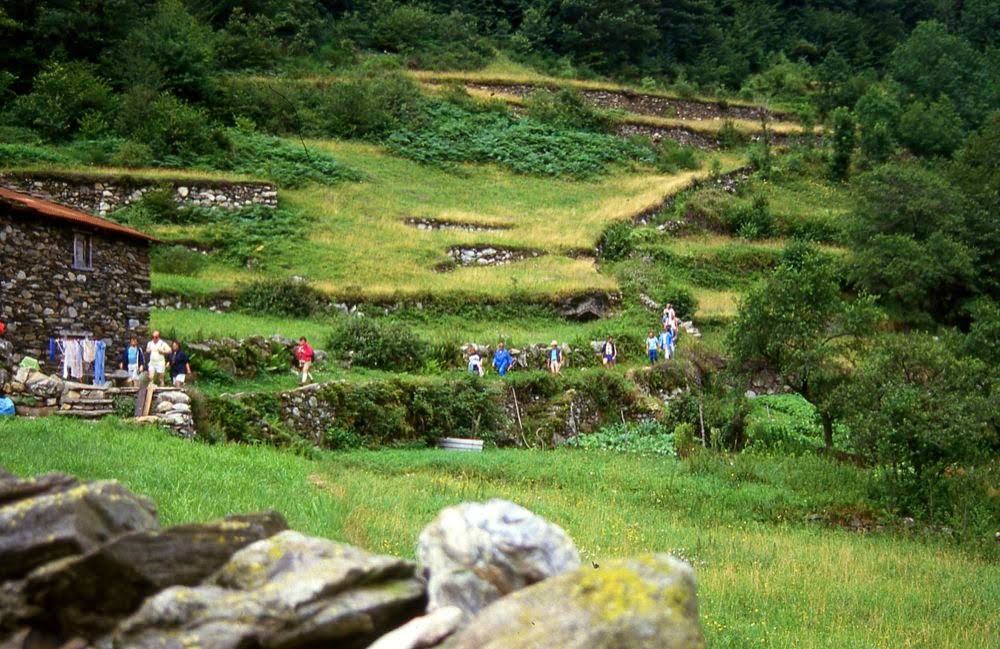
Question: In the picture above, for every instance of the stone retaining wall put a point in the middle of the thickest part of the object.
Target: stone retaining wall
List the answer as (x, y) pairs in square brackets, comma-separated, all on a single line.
[(105, 195)]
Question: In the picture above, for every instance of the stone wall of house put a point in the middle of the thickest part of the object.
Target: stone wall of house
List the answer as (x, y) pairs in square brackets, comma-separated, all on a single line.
[(105, 195), (43, 296)]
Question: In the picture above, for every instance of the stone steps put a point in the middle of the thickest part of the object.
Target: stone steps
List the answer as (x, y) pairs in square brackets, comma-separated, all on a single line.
[(85, 414)]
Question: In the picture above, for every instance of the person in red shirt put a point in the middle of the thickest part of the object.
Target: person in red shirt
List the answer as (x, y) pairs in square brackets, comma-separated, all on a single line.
[(304, 355)]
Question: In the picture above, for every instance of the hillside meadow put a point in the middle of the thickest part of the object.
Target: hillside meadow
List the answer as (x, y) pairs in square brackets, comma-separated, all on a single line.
[(767, 576)]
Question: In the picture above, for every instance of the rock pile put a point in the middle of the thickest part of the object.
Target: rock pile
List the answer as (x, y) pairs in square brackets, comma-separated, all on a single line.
[(440, 224), (490, 255), (172, 408), (86, 566), (105, 195)]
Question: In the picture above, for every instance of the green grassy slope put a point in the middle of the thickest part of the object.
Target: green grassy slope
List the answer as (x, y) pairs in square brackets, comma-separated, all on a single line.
[(767, 577)]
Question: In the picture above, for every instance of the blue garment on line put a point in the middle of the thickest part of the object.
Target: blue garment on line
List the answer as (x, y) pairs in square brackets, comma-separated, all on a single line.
[(52, 349), (99, 350)]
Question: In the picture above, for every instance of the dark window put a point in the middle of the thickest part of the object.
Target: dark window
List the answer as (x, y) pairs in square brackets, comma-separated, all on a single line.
[(83, 252)]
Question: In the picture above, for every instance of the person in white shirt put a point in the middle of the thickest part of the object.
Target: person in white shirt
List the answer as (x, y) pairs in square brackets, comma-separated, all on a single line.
[(157, 351)]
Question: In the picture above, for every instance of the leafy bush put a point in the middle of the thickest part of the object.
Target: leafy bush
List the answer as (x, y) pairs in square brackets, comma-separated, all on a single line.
[(14, 155), (567, 109), (750, 221), (447, 134), (684, 301), (176, 260), (646, 438), (730, 137), (176, 132), (616, 242), (132, 155), (374, 343), (784, 423), (427, 38), (286, 164), (671, 157), (286, 297), (342, 439), (63, 96)]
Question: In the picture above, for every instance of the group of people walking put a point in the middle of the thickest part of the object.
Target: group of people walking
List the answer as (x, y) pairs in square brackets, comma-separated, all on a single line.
[(662, 345), (157, 356)]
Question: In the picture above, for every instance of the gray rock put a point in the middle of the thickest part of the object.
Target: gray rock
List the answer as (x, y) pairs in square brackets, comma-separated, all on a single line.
[(475, 553), (41, 385), (174, 397), (63, 522), (585, 307), (426, 631), (644, 603), (87, 595), (164, 407), (285, 592)]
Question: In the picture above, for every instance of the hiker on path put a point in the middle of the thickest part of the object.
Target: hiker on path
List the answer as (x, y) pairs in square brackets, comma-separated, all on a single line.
[(475, 362), (667, 343), (652, 342), (554, 358), (157, 351), (502, 360), (304, 354), (133, 360), (609, 351), (180, 365), (669, 315)]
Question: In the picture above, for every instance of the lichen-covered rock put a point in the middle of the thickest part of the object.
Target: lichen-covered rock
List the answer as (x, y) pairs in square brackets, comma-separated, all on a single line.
[(285, 592), (643, 603), (87, 595), (63, 518), (474, 553)]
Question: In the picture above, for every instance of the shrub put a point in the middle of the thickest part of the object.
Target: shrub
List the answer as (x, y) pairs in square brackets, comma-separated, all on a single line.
[(684, 439), (285, 297), (175, 131), (286, 164), (684, 301), (730, 137), (63, 95), (567, 109), (931, 130), (616, 243), (783, 423), (342, 439), (377, 344), (753, 221), (13, 155), (132, 155), (176, 260), (671, 157), (646, 438)]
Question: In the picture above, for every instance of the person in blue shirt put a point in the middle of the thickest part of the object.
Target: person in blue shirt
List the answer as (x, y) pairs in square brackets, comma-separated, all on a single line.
[(652, 342), (502, 360), (554, 358), (133, 360), (667, 343)]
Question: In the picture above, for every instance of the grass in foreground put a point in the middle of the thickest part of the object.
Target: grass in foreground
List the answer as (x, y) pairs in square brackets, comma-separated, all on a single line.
[(767, 579)]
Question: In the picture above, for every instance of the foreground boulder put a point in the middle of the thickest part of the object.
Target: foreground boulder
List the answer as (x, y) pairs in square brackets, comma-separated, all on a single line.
[(286, 592), (88, 595), (55, 516), (475, 553), (643, 603)]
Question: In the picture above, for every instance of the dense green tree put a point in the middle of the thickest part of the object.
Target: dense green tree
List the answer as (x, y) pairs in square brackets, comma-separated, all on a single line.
[(64, 96), (36, 31), (800, 325), (170, 51), (918, 408), (844, 139), (933, 62), (878, 114), (931, 130), (909, 237)]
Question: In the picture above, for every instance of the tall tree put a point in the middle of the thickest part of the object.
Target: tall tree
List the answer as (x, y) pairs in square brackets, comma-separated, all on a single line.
[(799, 324)]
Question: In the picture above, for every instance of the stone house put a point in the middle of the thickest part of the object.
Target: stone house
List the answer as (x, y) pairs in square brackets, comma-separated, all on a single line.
[(67, 273)]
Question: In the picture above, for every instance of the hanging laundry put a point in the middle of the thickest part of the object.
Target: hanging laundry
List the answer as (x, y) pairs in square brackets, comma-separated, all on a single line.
[(89, 351), (53, 348), (74, 358), (99, 350)]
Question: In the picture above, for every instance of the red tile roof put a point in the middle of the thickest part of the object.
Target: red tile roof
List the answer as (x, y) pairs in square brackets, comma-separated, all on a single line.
[(55, 211)]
